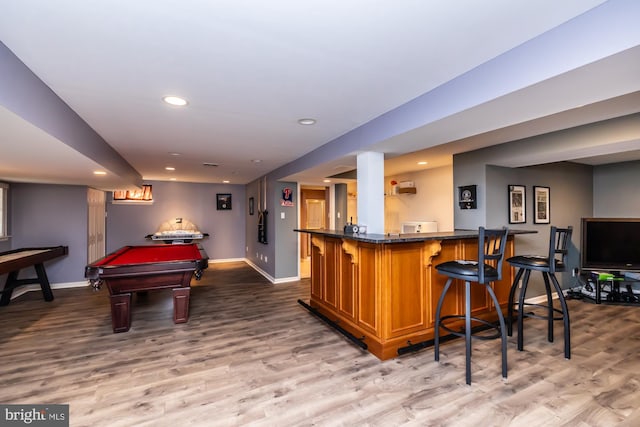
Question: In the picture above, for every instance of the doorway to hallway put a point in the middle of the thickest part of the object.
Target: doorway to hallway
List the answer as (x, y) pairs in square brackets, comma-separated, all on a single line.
[(314, 215)]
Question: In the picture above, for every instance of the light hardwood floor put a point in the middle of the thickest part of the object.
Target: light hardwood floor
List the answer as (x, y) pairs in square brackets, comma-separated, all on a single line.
[(251, 355)]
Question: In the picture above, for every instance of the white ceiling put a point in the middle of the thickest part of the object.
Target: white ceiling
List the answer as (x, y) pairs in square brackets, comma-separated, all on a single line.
[(250, 69)]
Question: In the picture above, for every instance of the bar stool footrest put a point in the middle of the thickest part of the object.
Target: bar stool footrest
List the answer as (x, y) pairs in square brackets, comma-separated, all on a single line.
[(538, 316), (485, 325)]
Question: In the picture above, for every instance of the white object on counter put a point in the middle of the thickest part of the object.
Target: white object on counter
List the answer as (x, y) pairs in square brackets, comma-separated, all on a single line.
[(419, 227)]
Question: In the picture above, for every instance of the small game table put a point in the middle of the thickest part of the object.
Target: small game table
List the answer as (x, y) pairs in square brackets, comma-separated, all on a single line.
[(13, 261)]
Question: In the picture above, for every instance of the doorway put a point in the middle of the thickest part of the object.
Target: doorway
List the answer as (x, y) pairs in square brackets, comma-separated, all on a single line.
[(96, 224), (314, 215)]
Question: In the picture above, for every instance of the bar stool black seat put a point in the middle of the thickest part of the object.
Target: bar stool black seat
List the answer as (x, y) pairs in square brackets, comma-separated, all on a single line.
[(491, 247), (555, 261)]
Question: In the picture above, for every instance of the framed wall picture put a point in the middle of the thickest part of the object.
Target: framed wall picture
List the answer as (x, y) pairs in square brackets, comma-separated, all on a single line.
[(517, 204), (541, 205), (467, 197), (223, 201)]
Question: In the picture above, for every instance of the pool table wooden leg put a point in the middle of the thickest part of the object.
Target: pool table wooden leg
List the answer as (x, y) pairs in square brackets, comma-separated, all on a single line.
[(121, 312), (181, 304)]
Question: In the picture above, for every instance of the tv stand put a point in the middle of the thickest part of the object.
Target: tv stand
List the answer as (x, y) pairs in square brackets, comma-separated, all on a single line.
[(611, 287)]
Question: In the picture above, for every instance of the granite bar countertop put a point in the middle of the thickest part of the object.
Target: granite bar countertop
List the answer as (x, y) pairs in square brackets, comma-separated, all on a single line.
[(403, 238)]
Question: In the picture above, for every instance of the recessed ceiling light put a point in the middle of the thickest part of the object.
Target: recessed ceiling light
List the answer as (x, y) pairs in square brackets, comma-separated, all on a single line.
[(172, 179), (174, 154), (226, 181), (175, 100), (307, 121), (99, 173), (256, 161), (326, 180), (422, 163), (215, 165), (170, 168)]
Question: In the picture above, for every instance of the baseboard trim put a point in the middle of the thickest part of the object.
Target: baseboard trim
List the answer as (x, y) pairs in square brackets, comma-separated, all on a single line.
[(268, 276), (223, 260), (29, 288), (259, 270)]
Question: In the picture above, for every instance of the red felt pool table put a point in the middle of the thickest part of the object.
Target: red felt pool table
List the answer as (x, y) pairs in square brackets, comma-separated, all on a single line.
[(144, 268)]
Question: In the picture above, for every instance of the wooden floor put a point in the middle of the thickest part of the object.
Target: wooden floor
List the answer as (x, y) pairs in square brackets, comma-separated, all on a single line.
[(251, 355)]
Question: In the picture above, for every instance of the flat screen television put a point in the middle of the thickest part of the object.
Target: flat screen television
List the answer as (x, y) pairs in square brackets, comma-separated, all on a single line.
[(611, 244)]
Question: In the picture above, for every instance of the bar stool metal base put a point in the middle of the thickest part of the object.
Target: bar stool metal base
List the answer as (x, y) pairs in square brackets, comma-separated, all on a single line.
[(467, 332), (552, 313)]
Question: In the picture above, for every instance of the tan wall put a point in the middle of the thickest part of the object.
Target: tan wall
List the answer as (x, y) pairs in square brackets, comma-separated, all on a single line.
[(433, 200)]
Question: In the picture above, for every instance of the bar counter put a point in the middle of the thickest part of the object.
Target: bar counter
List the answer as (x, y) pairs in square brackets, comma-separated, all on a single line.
[(381, 290)]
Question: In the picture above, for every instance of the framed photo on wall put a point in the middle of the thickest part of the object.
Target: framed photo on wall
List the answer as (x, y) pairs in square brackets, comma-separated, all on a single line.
[(223, 202), (517, 204), (541, 205), (467, 197)]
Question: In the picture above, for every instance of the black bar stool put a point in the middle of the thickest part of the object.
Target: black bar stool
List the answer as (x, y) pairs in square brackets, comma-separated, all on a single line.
[(491, 247), (554, 261)]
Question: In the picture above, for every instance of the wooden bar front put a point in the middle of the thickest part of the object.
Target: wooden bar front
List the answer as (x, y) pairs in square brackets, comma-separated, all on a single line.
[(385, 292)]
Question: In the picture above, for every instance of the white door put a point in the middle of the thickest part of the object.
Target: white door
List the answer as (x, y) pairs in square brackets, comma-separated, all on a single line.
[(315, 214), (96, 201)]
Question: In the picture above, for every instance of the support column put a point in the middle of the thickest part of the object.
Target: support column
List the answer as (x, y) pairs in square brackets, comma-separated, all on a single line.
[(371, 191)]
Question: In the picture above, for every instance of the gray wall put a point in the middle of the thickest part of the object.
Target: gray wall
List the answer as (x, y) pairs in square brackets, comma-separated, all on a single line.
[(285, 239), (571, 198), (252, 247), (470, 169), (278, 258), (615, 190), (262, 255), (51, 215), (127, 224)]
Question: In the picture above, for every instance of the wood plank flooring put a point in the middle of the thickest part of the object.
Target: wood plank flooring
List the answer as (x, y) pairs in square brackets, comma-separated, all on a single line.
[(250, 355)]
